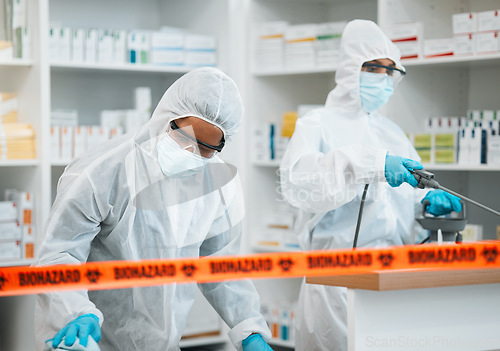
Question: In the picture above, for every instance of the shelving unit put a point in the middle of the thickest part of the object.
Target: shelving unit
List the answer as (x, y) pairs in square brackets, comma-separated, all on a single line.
[(433, 87), (446, 86), (43, 86)]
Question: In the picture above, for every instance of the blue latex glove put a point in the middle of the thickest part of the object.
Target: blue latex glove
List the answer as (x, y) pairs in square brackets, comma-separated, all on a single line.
[(396, 170), (442, 203), (255, 343), (83, 326)]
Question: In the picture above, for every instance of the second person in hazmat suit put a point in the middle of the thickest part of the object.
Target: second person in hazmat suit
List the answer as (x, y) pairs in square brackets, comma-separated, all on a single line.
[(161, 193), (332, 154)]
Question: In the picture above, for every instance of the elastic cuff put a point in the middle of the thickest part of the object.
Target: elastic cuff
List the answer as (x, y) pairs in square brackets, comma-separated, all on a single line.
[(244, 329), (380, 166)]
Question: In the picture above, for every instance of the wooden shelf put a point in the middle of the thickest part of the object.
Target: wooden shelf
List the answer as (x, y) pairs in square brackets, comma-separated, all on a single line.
[(410, 279)]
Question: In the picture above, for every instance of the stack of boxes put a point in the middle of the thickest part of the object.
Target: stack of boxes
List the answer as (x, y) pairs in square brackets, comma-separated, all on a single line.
[(468, 141), (16, 226), (300, 46), (269, 45), (166, 47), (270, 140), (280, 45), (69, 140), (15, 37), (17, 140), (473, 33), (488, 28), (408, 37), (327, 45)]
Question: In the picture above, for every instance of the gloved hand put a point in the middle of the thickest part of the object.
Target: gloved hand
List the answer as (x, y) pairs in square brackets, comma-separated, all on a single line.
[(442, 202), (83, 326), (255, 343), (396, 170)]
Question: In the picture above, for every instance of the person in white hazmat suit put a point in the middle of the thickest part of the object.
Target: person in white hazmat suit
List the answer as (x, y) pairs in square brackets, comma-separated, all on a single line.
[(332, 154), (161, 193)]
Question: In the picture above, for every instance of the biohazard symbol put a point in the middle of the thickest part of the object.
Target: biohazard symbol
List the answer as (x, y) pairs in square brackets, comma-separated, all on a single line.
[(189, 269), (3, 280), (386, 259), (490, 254), (286, 265), (93, 275)]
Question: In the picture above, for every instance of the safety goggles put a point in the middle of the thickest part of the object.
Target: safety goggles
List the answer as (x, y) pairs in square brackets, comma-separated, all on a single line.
[(392, 71), (191, 144)]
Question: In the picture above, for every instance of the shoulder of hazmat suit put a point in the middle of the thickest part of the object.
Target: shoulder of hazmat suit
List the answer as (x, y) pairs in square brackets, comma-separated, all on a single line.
[(115, 203), (333, 153)]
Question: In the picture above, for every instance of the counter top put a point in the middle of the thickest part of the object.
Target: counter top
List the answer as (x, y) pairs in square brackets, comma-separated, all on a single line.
[(410, 279)]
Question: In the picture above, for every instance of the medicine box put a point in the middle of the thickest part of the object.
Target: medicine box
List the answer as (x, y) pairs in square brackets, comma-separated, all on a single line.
[(488, 21), (10, 250), (438, 47), (487, 42), (407, 37), (464, 44), (464, 23), (8, 211)]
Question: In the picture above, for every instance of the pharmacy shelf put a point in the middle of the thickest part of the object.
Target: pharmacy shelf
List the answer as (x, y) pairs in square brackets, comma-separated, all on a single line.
[(282, 343), (16, 263), (16, 63), (292, 71), (19, 163), (120, 67), (453, 167), (203, 341), (59, 163), (270, 163), (458, 61), (269, 248)]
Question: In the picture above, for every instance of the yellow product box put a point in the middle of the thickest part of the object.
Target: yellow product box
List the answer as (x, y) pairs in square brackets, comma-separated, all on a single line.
[(425, 155), (288, 122), (447, 140), (422, 141), (448, 155)]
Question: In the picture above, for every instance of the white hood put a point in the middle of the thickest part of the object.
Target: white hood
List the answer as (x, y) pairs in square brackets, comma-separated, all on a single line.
[(361, 41)]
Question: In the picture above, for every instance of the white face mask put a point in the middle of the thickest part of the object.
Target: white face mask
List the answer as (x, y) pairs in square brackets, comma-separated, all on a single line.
[(176, 162), (375, 90)]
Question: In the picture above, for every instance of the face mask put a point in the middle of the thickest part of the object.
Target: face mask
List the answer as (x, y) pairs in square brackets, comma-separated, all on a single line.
[(375, 90), (176, 162)]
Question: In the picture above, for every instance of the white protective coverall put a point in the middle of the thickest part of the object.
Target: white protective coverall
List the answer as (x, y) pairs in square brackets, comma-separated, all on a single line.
[(114, 203), (332, 154)]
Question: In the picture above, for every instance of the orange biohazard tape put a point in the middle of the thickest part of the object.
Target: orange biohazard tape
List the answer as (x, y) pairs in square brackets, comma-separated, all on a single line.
[(126, 274)]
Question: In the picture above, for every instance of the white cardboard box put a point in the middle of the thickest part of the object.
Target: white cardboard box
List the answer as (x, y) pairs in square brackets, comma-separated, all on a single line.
[(464, 23), (464, 44), (438, 47), (488, 20), (487, 42)]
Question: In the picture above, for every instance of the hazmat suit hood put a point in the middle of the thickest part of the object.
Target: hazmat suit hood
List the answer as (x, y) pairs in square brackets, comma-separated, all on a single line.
[(206, 93), (362, 41)]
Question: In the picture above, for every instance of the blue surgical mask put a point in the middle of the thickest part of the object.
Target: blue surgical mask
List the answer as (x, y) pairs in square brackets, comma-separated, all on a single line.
[(375, 90), (177, 162)]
